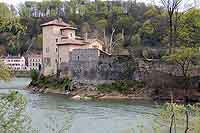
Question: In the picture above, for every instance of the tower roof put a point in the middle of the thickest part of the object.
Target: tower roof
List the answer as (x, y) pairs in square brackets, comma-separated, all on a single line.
[(56, 22)]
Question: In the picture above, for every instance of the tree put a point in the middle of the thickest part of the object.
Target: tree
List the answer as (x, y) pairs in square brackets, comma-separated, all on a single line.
[(183, 59), (102, 25), (12, 117), (85, 28), (171, 6), (189, 28), (5, 73), (165, 113), (4, 11)]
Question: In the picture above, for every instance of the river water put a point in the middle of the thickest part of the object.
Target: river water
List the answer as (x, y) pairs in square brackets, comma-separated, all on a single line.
[(53, 112)]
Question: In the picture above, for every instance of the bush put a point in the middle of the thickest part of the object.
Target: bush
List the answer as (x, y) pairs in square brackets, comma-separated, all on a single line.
[(34, 75), (50, 82), (120, 86)]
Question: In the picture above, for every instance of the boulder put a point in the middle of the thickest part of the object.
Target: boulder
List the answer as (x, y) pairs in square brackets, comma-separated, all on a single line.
[(76, 97)]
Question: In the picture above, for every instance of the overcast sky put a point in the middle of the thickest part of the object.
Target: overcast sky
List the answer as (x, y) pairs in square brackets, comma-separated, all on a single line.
[(16, 2)]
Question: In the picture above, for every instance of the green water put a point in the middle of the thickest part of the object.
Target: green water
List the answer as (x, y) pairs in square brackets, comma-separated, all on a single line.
[(53, 111)]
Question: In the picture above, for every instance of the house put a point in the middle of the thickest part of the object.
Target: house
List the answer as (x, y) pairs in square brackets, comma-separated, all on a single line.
[(15, 63), (59, 40), (34, 61)]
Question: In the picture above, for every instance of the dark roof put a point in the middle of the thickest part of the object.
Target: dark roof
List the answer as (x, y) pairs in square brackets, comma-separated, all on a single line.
[(73, 42), (68, 27)]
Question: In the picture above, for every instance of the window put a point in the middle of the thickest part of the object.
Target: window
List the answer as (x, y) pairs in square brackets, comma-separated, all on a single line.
[(47, 61), (60, 59), (77, 57), (71, 34), (56, 39), (47, 49), (56, 49)]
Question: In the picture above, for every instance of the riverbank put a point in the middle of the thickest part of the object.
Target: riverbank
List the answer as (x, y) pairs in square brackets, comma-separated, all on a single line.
[(84, 94), (139, 94), (115, 90)]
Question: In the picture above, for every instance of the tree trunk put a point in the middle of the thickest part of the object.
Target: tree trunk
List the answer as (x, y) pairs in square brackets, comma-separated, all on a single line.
[(175, 28), (187, 121), (170, 33), (171, 122), (111, 40), (105, 40)]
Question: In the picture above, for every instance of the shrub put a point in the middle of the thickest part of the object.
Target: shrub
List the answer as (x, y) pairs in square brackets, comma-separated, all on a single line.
[(34, 75), (120, 86)]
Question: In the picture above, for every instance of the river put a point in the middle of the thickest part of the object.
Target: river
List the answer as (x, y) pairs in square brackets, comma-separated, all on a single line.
[(49, 112)]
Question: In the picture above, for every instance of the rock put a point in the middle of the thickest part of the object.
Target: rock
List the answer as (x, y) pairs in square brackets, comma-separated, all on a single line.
[(76, 97), (86, 98)]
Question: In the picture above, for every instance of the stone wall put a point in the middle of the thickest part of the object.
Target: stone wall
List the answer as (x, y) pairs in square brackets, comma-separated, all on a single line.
[(92, 64)]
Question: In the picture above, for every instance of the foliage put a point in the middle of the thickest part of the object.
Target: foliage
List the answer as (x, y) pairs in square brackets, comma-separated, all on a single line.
[(135, 22), (182, 54), (12, 32), (163, 120), (34, 75), (120, 86), (52, 82), (12, 117), (4, 11), (189, 27), (183, 58), (5, 73)]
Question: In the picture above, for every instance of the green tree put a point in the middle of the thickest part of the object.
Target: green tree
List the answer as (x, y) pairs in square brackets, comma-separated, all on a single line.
[(183, 59), (5, 73), (12, 117), (189, 29), (4, 11)]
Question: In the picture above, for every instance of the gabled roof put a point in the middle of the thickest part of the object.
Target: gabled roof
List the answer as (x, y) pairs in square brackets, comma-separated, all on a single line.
[(56, 22)]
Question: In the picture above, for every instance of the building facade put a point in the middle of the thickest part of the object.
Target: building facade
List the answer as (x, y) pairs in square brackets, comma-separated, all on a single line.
[(34, 62), (15, 63), (59, 40), (93, 64)]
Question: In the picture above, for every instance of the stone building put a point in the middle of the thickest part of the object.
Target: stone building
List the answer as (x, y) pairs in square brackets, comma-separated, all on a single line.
[(94, 64), (59, 40)]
